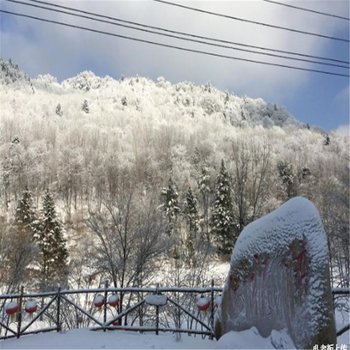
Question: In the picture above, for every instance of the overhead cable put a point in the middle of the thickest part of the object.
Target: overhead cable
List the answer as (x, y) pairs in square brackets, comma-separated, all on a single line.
[(173, 46), (307, 10), (187, 34), (181, 38), (251, 22)]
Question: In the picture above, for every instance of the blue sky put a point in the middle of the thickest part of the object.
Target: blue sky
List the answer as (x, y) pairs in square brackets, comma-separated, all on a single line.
[(321, 100)]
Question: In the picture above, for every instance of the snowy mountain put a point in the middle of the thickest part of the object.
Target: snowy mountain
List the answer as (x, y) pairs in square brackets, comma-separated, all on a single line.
[(140, 93), (10, 74), (94, 140)]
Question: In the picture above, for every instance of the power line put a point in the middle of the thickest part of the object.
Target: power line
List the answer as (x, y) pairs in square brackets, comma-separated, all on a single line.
[(173, 46), (307, 10), (252, 22), (188, 34), (181, 38)]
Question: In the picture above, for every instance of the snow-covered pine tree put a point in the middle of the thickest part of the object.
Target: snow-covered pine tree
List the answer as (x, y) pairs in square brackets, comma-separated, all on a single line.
[(20, 242), (171, 206), (85, 107), (52, 246), (25, 214), (222, 220), (204, 187), (286, 173), (192, 223), (59, 111)]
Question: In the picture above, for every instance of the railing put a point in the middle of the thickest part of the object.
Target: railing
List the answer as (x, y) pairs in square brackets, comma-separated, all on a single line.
[(158, 309), (339, 293)]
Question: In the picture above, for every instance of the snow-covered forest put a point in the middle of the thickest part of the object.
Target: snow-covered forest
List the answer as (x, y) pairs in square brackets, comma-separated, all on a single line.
[(142, 181)]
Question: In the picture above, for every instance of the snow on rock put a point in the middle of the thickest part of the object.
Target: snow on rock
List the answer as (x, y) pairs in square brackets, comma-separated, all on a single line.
[(279, 278), (251, 339)]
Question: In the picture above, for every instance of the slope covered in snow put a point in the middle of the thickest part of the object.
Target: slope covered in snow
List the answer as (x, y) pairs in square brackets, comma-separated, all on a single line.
[(141, 93)]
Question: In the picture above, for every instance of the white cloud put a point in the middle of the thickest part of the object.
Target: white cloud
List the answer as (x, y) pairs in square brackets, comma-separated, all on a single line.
[(343, 130), (343, 96), (64, 51)]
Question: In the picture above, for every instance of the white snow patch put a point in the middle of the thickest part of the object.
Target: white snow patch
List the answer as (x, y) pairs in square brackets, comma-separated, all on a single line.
[(86, 339), (250, 339)]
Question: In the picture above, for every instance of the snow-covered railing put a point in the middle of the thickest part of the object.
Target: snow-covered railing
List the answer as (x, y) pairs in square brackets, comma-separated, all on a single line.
[(151, 309), (158, 309)]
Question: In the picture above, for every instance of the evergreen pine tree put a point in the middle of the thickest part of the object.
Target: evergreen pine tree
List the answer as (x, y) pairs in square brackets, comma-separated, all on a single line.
[(204, 187), (192, 222), (59, 111), (85, 107), (53, 253), (171, 206), (22, 246), (286, 173), (25, 214), (222, 220)]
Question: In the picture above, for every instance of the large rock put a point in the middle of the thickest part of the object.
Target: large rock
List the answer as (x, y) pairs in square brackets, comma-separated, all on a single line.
[(279, 278)]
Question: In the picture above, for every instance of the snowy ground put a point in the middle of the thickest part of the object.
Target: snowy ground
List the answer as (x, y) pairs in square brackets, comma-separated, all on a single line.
[(118, 339), (86, 339)]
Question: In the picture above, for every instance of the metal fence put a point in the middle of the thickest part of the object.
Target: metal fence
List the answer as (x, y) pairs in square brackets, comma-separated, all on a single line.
[(157, 309)]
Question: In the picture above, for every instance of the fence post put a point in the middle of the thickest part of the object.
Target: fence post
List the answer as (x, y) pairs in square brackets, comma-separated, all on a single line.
[(157, 312), (212, 308), (19, 324), (105, 306), (58, 315)]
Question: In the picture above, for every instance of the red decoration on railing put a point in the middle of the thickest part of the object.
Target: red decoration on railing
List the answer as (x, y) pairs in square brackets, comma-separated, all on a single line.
[(113, 300), (99, 300), (203, 303), (11, 308), (31, 306)]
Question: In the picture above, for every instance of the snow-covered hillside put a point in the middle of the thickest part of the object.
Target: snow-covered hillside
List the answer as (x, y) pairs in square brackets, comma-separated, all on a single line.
[(94, 140), (146, 96), (112, 152)]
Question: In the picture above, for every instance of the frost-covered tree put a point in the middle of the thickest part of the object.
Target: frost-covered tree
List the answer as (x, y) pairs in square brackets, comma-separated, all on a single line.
[(285, 172), (25, 213), (85, 107), (327, 140), (205, 190), (171, 206), (124, 101), (222, 220), (13, 169), (251, 180), (129, 238), (59, 110), (53, 254), (17, 245), (192, 223)]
